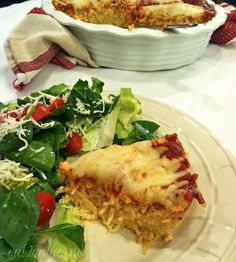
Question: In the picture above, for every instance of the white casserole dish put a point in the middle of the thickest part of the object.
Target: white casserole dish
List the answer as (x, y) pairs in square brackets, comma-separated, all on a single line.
[(143, 49)]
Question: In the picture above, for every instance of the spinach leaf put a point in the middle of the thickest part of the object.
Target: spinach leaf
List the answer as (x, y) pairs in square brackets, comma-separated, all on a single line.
[(55, 126), (58, 128), (12, 142), (27, 99), (19, 212), (24, 101), (74, 233), (27, 254), (90, 98), (38, 155), (80, 91), (55, 135), (145, 130), (57, 141), (2, 106), (129, 140), (56, 90), (42, 186), (59, 111), (97, 85), (6, 252), (54, 178)]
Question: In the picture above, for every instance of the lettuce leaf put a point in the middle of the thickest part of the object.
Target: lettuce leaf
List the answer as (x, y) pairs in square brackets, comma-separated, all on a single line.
[(19, 212)]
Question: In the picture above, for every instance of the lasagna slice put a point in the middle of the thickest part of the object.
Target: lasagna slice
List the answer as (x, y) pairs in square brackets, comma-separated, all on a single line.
[(125, 13), (144, 187)]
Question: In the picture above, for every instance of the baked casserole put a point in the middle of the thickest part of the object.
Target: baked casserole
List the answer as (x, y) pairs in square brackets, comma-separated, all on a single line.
[(137, 13), (145, 187)]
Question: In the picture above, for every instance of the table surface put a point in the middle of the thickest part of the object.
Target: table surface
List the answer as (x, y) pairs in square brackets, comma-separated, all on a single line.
[(205, 90)]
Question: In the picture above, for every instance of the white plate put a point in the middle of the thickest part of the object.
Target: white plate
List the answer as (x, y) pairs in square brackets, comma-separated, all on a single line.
[(205, 234)]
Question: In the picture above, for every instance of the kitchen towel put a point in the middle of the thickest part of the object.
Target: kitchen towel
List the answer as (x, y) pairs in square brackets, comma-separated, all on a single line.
[(39, 39), (226, 33)]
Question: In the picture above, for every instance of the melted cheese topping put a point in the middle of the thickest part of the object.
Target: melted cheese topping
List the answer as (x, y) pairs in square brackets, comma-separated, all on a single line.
[(125, 13), (174, 9), (138, 168)]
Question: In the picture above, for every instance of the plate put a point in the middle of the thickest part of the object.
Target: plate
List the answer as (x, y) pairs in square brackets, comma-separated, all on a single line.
[(206, 234)]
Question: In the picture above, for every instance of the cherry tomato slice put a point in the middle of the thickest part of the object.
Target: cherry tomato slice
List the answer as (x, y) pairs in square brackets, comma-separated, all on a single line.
[(75, 143), (47, 205), (25, 110), (13, 115), (2, 119), (7, 115), (40, 111), (56, 103)]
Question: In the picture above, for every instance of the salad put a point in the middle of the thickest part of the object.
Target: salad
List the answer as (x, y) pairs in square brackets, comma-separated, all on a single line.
[(36, 133)]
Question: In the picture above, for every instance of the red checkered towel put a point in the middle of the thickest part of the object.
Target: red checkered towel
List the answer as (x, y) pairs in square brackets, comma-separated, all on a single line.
[(39, 39), (226, 33)]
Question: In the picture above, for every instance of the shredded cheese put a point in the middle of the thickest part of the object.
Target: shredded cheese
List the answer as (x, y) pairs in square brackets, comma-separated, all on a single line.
[(65, 97), (42, 95), (38, 150), (42, 174), (11, 125), (80, 108), (12, 173), (42, 125), (103, 107)]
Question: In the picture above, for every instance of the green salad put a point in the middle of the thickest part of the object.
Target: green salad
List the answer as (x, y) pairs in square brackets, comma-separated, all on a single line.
[(38, 131)]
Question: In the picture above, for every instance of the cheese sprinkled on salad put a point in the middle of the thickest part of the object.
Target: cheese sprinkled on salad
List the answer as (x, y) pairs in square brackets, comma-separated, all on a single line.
[(12, 172)]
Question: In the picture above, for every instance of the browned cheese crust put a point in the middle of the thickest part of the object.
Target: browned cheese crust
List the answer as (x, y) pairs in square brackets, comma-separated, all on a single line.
[(126, 13)]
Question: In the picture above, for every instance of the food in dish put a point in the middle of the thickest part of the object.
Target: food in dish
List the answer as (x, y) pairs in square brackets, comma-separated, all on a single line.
[(145, 187), (137, 13)]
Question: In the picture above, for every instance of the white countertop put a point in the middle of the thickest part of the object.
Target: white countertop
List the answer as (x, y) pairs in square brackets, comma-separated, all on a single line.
[(206, 90)]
